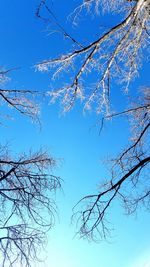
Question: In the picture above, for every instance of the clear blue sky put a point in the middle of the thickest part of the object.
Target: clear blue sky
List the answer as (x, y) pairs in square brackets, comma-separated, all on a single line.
[(74, 138)]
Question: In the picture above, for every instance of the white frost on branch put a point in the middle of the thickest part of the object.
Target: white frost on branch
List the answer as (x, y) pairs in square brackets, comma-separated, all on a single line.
[(116, 56)]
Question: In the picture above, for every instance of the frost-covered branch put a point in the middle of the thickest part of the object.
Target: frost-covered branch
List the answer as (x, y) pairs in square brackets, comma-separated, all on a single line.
[(115, 57), (21, 101)]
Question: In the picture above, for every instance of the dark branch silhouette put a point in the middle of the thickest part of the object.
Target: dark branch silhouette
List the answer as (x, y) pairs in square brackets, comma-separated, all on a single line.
[(129, 177), (27, 188)]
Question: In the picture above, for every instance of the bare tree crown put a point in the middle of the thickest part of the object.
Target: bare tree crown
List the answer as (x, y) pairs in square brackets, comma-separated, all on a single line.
[(115, 56), (27, 187)]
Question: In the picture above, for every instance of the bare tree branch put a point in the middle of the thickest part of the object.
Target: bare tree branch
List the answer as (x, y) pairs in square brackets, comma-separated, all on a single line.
[(25, 188), (52, 19), (129, 180), (115, 56)]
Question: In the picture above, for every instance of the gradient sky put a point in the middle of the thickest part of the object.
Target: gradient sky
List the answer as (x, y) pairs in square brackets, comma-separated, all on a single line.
[(73, 138)]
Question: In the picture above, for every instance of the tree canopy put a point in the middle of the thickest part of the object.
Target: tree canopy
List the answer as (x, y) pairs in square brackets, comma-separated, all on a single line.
[(94, 67), (26, 182), (115, 56)]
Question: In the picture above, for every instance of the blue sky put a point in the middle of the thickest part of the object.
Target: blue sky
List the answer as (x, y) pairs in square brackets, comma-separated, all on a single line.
[(74, 138)]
